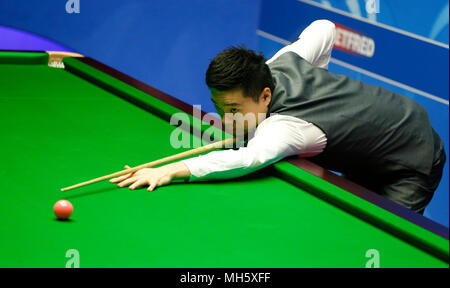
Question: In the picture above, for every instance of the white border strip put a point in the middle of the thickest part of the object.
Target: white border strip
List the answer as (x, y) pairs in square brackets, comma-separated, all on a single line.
[(400, 31), (362, 71)]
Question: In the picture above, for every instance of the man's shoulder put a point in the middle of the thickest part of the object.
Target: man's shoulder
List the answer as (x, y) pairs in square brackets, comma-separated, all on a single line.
[(290, 65), (289, 57)]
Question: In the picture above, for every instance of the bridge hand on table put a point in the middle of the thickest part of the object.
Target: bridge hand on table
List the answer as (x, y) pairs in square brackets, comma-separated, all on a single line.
[(147, 176)]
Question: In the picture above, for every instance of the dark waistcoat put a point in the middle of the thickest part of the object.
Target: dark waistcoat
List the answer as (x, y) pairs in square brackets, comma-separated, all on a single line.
[(369, 129)]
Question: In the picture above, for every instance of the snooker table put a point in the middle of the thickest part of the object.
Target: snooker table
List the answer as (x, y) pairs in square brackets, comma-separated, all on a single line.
[(65, 125)]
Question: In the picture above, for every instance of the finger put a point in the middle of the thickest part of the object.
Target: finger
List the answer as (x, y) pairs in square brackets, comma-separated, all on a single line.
[(161, 182), (152, 186), (138, 183), (128, 181), (121, 178)]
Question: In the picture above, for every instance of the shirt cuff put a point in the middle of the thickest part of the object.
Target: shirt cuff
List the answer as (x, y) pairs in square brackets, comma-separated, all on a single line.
[(193, 165)]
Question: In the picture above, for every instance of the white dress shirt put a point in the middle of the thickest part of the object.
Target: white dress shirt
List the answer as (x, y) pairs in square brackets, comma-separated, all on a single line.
[(278, 136)]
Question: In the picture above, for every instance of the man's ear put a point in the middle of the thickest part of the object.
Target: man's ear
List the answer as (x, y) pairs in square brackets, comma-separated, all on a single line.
[(266, 96)]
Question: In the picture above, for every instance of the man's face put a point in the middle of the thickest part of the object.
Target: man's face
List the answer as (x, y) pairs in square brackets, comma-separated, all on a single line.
[(240, 114)]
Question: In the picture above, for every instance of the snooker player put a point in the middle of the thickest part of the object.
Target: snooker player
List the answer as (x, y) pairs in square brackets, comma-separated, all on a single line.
[(377, 138)]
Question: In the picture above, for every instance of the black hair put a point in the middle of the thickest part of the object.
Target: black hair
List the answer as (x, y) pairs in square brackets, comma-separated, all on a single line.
[(239, 68)]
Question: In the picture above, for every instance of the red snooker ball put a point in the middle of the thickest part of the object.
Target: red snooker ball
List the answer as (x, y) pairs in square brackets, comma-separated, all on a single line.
[(63, 209)]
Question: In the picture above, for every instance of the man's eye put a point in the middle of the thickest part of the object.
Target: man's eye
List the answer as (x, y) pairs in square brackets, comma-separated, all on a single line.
[(233, 110)]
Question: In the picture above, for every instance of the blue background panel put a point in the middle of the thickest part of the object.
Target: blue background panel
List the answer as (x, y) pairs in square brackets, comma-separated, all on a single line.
[(410, 61), (273, 35), (433, 15)]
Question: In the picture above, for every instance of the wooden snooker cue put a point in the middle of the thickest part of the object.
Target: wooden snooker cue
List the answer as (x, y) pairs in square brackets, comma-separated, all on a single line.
[(189, 153)]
